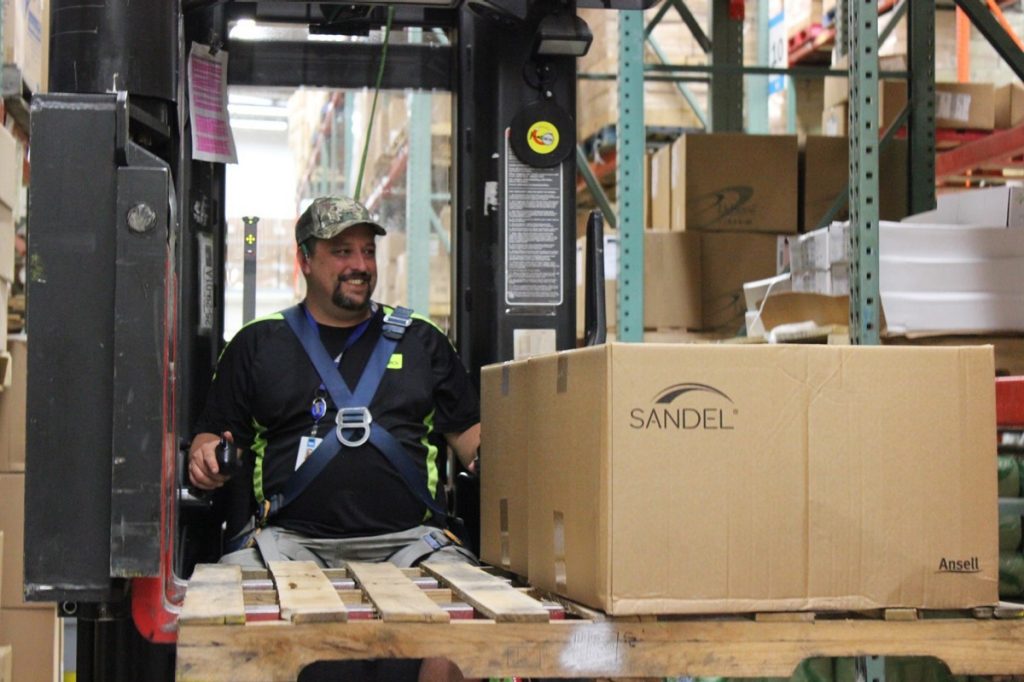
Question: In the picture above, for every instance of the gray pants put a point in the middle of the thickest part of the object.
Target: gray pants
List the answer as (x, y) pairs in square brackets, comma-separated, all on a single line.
[(286, 545)]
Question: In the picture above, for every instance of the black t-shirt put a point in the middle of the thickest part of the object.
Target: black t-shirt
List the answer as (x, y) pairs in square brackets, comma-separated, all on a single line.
[(263, 393)]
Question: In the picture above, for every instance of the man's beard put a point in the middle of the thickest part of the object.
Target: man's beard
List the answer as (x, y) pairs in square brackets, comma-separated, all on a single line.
[(339, 299)]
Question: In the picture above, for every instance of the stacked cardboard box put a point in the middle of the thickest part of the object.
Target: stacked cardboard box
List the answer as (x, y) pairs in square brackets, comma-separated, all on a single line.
[(32, 629), (965, 105), (10, 173), (825, 172), (738, 192), (1009, 104), (26, 40), (892, 98), (819, 261), (646, 478)]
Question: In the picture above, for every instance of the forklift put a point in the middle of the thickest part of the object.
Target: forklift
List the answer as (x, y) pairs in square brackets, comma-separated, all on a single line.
[(127, 241)]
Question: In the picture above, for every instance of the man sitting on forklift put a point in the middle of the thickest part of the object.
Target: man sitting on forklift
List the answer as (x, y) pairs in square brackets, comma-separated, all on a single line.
[(334, 402)]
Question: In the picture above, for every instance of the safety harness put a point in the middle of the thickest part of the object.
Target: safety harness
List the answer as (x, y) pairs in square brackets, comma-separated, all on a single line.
[(354, 425)]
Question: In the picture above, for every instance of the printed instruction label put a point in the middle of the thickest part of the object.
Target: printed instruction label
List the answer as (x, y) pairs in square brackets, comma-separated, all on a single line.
[(533, 232)]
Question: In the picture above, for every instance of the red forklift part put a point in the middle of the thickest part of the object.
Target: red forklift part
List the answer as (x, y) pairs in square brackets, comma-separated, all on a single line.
[(1010, 402)]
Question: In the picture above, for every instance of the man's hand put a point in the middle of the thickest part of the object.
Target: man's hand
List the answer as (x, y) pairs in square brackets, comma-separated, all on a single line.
[(203, 471), (466, 445)]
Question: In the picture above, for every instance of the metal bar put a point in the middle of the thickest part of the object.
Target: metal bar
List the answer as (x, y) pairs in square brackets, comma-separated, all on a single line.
[(894, 18), (630, 176), (652, 24), (698, 110), (862, 24), (692, 23), (844, 193), (442, 234), (348, 172), (842, 42), (870, 668), (663, 78), (726, 87), (996, 35), (249, 243), (596, 190), (921, 123), (758, 120), (417, 200), (739, 69), (1000, 145), (339, 65)]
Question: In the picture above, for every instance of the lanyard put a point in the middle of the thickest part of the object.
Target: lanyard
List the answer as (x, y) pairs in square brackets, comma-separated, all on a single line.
[(319, 407)]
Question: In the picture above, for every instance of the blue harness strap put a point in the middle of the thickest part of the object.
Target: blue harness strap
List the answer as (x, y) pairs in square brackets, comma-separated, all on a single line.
[(355, 423)]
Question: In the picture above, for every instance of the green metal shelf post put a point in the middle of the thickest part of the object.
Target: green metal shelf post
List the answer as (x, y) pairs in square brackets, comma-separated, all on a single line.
[(630, 138), (418, 207), (862, 34)]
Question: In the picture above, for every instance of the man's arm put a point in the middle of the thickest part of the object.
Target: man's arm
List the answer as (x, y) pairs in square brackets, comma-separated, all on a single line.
[(466, 445)]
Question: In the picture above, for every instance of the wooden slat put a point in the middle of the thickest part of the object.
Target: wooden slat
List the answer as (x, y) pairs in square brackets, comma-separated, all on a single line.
[(490, 596), (305, 594), (900, 614), (214, 596), (785, 617), (396, 597), (741, 648)]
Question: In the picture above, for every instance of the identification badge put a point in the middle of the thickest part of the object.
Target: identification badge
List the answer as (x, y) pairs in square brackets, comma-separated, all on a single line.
[(307, 444)]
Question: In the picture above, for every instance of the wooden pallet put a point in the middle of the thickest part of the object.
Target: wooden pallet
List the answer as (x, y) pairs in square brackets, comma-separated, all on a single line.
[(268, 626)]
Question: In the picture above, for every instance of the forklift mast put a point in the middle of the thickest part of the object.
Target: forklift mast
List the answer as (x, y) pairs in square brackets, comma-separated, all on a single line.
[(126, 246)]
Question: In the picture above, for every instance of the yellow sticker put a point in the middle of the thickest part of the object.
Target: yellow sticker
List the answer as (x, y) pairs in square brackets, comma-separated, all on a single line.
[(395, 362), (542, 137)]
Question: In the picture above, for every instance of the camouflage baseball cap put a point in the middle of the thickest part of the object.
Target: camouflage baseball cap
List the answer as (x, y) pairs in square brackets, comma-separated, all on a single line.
[(330, 216)]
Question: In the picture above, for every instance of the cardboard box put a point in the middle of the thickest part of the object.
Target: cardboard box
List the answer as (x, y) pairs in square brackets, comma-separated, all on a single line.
[(965, 105), (728, 261), (1009, 105), (825, 172), (12, 408), (661, 189), (36, 637), (26, 39), (990, 207), (672, 281), (1009, 349), (731, 182), (12, 523), (6, 671), (892, 97), (504, 479), (717, 478)]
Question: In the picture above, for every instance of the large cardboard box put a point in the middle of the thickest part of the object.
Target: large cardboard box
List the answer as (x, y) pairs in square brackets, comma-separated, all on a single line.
[(716, 478), (965, 105), (729, 260), (12, 523), (1009, 105), (504, 475), (731, 182), (825, 172), (36, 637), (12, 407)]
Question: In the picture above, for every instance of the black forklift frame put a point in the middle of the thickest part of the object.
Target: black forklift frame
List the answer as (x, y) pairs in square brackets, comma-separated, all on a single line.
[(126, 229)]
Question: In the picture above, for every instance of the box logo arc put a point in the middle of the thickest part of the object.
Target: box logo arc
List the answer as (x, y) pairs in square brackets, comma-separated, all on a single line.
[(688, 406)]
